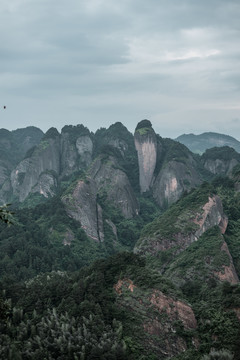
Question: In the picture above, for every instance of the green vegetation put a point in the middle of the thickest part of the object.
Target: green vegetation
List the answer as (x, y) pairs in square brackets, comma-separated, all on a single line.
[(201, 260), (52, 133), (75, 131), (143, 131), (144, 124), (179, 217), (175, 151), (199, 143), (67, 314), (6, 215), (223, 153), (218, 355), (65, 296), (117, 141)]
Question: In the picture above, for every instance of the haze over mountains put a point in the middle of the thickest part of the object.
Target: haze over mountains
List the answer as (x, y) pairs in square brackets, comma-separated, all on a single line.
[(200, 143), (123, 246)]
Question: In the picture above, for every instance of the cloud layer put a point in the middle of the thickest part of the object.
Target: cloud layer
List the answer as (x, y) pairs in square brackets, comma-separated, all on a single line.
[(96, 62)]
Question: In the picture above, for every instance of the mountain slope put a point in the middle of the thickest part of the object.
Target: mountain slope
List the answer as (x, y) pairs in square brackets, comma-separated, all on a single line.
[(200, 143)]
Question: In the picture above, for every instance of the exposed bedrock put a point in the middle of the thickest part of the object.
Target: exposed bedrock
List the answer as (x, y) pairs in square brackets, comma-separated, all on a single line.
[(146, 146), (173, 179)]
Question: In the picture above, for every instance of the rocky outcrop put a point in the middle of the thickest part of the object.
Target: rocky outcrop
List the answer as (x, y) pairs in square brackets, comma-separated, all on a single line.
[(68, 238), (212, 215), (5, 186), (76, 151), (84, 147), (104, 178), (13, 147), (227, 273), (54, 158), (159, 314), (82, 205), (146, 146), (220, 167), (220, 161), (68, 155), (46, 185), (175, 309), (109, 177), (195, 222), (44, 164), (173, 179)]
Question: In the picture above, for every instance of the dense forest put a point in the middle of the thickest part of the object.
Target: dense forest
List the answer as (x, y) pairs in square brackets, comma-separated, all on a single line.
[(159, 283)]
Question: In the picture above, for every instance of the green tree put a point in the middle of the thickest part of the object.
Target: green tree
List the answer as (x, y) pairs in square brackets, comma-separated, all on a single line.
[(5, 214), (218, 355)]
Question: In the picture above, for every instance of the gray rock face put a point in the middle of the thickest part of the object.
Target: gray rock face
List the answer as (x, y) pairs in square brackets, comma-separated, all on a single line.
[(120, 144), (146, 146), (210, 215), (173, 179), (219, 166), (75, 154), (46, 185), (108, 177), (4, 172), (68, 155), (84, 147), (28, 175), (13, 146), (82, 206), (54, 158), (82, 203)]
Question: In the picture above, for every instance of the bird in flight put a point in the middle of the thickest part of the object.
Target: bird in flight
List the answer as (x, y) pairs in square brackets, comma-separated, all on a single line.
[(4, 107)]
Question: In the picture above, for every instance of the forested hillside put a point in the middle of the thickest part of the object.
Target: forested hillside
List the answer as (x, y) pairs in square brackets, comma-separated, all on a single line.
[(120, 247)]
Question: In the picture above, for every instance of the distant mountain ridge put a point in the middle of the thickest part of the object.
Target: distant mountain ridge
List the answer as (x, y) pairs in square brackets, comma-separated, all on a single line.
[(200, 143)]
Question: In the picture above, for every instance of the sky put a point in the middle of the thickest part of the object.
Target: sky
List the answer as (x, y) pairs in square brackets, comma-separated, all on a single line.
[(96, 62)]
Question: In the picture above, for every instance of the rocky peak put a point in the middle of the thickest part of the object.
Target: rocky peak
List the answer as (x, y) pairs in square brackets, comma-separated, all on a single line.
[(76, 149), (146, 146), (220, 160), (159, 315), (118, 136), (105, 177), (42, 167), (178, 173), (185, 226)]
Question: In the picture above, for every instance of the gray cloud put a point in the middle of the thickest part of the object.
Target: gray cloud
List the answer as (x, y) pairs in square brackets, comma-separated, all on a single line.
[(100, 61)]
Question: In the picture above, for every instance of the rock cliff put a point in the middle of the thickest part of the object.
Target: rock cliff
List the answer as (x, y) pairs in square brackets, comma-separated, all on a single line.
[(40, 171), (173, 179), (76, 149), (159, 315), (164, 167), (220, 161), (81, 204), (205, 261), (109, 177), (103, 177), (146, 146), (227, 272), (13, 147), (179, 227)]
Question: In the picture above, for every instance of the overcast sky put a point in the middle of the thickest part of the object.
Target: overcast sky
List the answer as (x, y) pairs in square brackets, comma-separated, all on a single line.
[(95, 62)]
